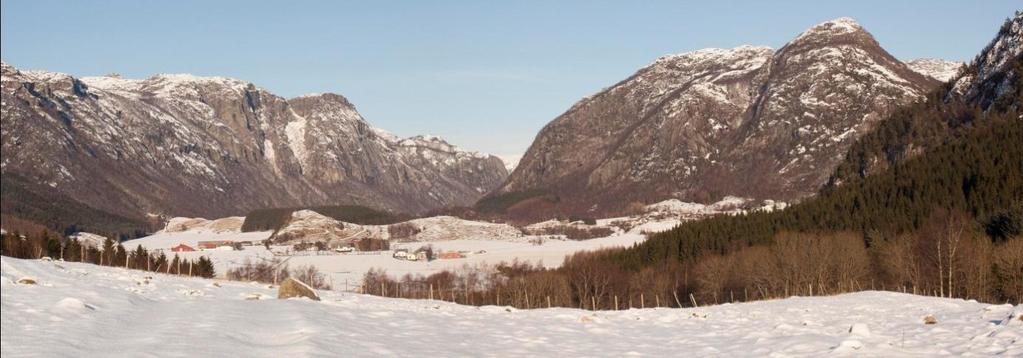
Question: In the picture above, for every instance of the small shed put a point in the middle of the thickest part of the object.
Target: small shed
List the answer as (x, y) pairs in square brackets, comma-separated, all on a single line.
[(182, 248)]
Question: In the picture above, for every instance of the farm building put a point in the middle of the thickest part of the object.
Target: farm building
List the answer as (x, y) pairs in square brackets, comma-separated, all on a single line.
[(217, 244), (447, 255), (182, 248)]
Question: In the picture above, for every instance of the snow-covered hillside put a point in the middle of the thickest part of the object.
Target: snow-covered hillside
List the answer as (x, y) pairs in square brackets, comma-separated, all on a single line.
[(941, 70), (85, 310)]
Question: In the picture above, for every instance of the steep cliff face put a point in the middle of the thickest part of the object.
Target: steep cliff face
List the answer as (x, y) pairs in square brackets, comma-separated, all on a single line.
[(747, 121), (183, 145)]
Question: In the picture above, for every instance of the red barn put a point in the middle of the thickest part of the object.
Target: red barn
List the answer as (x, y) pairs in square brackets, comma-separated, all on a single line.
[(182, 248)]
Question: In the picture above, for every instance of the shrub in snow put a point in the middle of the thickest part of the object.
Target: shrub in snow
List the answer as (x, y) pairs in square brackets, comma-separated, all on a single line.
[(295, 288), (859, 329), (930, 319)]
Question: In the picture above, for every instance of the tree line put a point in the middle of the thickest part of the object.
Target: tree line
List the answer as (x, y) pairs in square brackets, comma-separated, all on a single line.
[(945, 223), (946, 258), (108, 254)]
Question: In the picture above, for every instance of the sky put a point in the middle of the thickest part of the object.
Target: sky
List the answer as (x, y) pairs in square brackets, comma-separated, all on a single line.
[(485, 75)]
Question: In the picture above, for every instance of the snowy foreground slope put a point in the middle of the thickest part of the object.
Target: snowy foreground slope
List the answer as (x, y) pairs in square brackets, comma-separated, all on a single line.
[(85, 310)]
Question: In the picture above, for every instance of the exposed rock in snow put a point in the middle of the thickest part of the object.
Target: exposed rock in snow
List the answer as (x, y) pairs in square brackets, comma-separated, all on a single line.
[(294, 288), (310, 226), (222, 225)]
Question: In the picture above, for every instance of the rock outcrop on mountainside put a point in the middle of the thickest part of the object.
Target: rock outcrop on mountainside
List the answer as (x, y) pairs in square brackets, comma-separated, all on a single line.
[(988, 86), (750, 122), (181, 145), (941, 70)]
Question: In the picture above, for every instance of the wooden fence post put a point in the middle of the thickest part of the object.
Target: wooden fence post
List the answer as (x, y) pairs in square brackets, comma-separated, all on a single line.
[(548, 301), (616, 302)]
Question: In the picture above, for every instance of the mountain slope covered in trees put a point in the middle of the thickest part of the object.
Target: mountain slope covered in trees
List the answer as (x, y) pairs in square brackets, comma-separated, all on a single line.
[(945, 221)]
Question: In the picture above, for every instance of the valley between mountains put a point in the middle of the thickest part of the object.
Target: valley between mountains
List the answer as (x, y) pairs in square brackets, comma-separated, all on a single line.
[(823, 197)]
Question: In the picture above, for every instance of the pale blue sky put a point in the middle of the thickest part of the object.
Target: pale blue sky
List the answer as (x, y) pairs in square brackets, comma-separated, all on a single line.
[(485, 75)]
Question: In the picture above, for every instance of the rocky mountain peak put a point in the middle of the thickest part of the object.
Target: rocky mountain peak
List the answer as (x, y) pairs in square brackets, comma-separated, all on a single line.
[(830, 29), (747, 121), (990, 73)]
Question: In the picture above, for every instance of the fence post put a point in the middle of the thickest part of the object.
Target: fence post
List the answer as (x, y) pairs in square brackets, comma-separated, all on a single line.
[(642, 301), (616, 302), (548, 301), (593, 303), (431, 292)]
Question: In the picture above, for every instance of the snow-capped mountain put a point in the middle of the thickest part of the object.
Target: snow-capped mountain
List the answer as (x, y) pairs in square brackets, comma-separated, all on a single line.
[(748, 121), (184, 145), (941, 70)]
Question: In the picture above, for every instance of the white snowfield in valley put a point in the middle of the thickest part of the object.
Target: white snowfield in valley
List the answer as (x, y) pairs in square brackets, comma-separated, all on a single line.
[(80, 310), (483, 243), (348, 269)]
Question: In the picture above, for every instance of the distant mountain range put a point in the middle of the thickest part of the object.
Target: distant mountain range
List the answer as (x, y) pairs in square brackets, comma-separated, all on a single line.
[(184, 145), (749, 121)]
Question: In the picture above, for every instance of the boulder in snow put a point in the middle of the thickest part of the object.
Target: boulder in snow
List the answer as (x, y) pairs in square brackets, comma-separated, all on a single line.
[(26, 281), (930, 319), (295, 288)]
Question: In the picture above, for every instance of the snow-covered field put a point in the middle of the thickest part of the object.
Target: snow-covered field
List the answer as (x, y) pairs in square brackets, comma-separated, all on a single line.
[(348, 269), (79, 310), (484, 243)]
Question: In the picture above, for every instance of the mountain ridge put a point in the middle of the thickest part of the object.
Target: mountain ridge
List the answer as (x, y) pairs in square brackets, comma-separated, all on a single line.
[(748, 121), (185, 145)]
